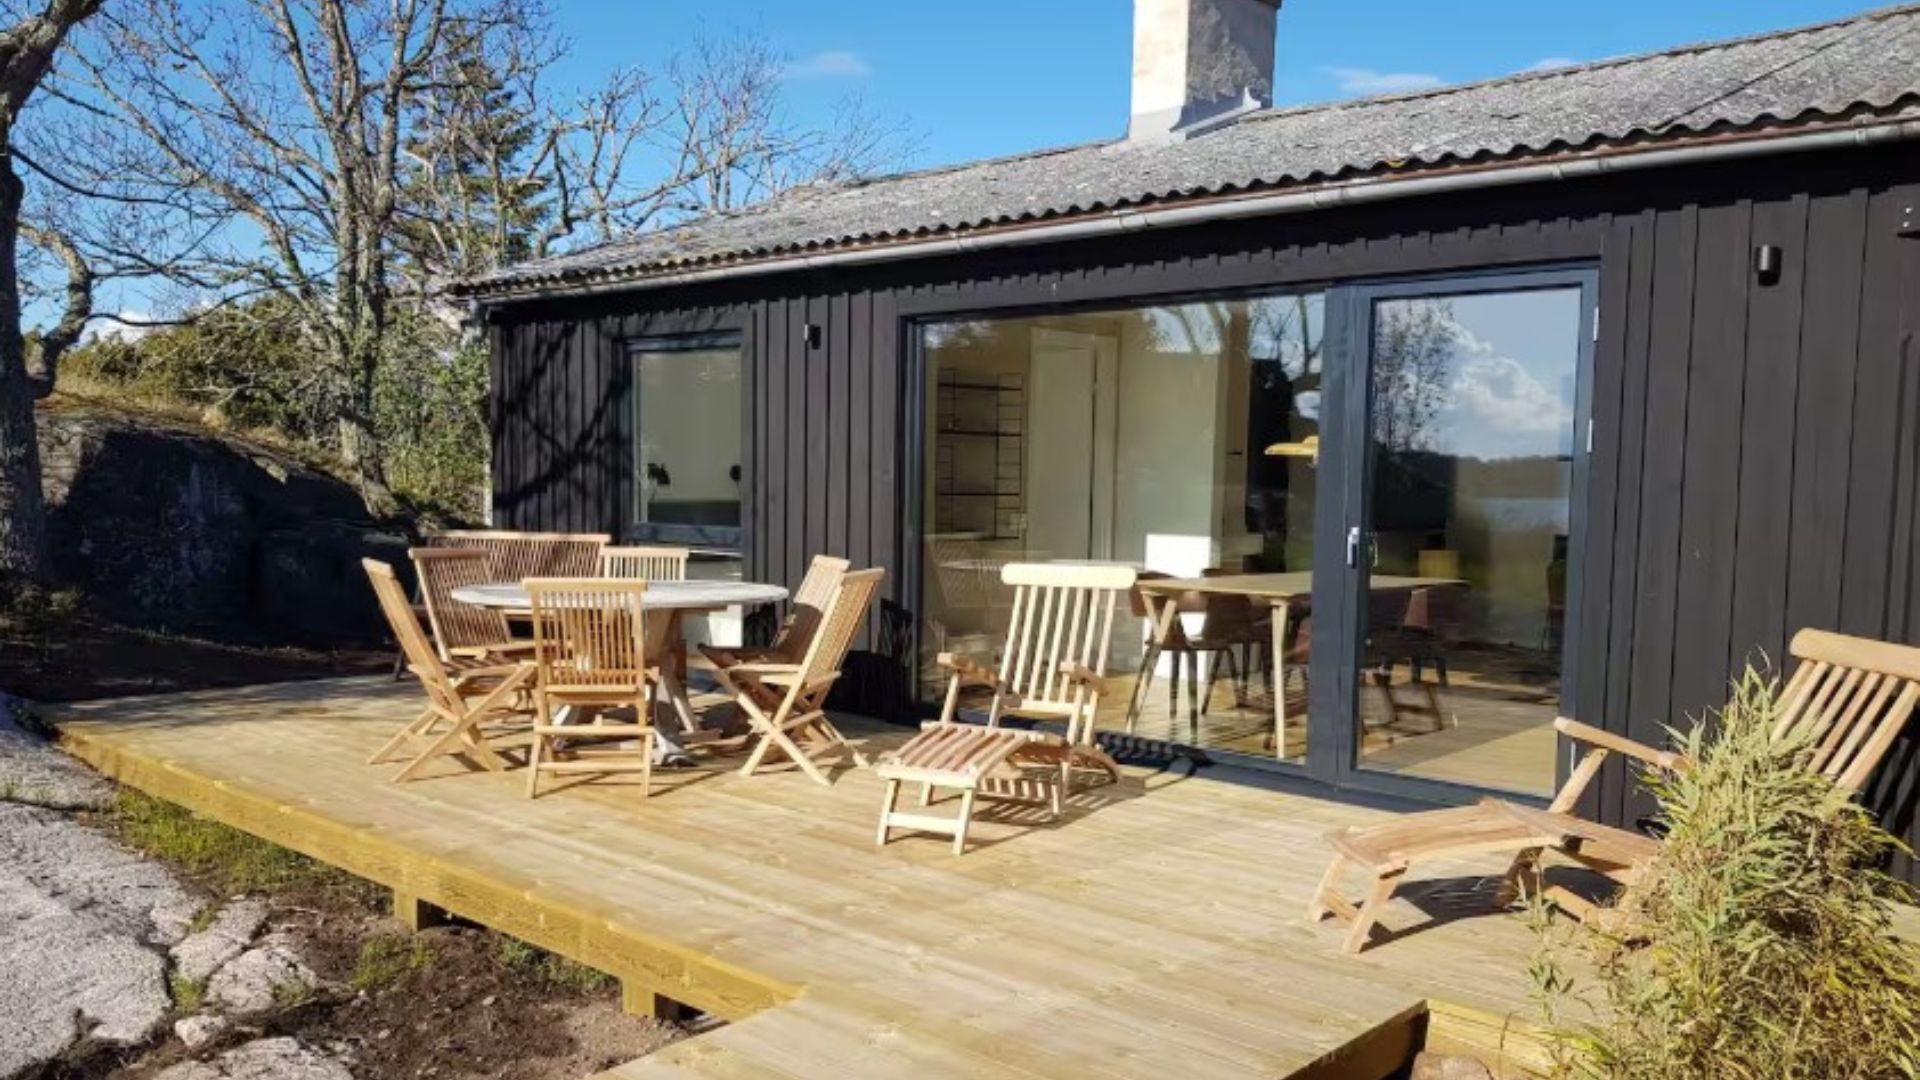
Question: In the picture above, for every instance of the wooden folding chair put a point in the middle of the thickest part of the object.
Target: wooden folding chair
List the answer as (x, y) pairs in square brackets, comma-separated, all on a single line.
[(645, 563), (459, 629), (1850, 697), (804, 615), (1053, 667), (592, 655), (786, 702), (474, 706)]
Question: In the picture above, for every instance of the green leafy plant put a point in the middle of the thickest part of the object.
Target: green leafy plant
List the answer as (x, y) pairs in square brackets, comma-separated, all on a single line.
[(1759, 942)]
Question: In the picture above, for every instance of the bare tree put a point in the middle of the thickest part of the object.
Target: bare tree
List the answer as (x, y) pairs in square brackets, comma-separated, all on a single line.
[(356, 154), (28, 45)]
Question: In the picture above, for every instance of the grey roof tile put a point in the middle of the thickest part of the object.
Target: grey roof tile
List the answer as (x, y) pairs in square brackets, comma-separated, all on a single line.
[(1868, 63)]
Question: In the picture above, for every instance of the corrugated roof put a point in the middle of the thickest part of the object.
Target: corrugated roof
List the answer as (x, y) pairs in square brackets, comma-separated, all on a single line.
[(1868, 64)]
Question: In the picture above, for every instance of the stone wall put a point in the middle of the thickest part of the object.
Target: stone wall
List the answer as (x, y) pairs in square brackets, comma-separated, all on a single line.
[(184, 530)]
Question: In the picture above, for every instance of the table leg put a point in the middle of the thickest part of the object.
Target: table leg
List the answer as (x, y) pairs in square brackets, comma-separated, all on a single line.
[(1161, 616), (1279, 622)]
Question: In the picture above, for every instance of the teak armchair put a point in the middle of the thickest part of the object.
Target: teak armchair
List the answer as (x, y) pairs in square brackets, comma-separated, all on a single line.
[(473, 705), (785, 702), (645, 563), (592, 655), (1848, 696), (1052, 667), (462, 630)]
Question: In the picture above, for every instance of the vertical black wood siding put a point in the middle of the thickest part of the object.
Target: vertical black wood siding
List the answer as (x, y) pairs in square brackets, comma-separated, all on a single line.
[(1756, 451)]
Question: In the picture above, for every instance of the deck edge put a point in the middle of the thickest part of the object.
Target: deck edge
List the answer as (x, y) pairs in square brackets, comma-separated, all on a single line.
[(668, 968)]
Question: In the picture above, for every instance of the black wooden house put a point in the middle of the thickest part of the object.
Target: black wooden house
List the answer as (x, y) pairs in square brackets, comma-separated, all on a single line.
[(1624, 350)]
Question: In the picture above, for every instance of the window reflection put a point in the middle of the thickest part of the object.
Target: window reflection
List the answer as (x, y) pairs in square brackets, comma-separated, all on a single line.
[(1178, 439), (1471, 427)]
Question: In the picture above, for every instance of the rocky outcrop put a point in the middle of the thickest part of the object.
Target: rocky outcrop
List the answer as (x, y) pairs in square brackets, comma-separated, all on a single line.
[(269, 975), (33, 773), (184, 529), (82, 925), (280, 1058), (201, 954)]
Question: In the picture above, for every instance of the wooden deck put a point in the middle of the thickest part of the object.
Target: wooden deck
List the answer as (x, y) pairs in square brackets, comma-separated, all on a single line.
[(1156, 931)]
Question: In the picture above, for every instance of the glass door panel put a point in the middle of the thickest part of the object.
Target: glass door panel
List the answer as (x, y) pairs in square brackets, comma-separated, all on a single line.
[(1473, 404), (1179, 439)]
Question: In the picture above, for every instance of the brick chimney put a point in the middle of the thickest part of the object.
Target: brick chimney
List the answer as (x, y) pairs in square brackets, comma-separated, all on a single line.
[(1198, 64)]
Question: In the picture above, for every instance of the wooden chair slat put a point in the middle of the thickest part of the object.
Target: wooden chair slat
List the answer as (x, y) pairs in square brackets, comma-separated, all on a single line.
[(590, 635), (645, 563), (517, 556), (458, 627)]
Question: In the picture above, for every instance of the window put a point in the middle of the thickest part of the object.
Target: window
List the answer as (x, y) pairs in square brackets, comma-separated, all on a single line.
[(687, 440)]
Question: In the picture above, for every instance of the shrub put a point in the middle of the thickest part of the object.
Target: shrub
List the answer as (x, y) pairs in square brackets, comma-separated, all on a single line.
[(1761, 941)]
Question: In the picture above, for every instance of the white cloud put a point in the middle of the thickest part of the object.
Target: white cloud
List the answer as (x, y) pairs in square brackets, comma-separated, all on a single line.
[(1550, 63), (1500, 392), (1360, 80), (831, 64)]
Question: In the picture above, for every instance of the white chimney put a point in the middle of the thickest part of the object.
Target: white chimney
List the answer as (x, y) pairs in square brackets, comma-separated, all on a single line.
[(1198, 64)]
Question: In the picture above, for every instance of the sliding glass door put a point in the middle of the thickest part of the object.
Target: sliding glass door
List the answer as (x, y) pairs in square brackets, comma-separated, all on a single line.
[(1353, 512), (1462, 467)]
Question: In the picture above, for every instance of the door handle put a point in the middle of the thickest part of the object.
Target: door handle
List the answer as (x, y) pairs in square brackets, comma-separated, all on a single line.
[(1355, 537)]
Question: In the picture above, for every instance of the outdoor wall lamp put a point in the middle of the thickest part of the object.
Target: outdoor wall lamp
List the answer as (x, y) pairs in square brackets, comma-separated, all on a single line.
[(1766, 263)]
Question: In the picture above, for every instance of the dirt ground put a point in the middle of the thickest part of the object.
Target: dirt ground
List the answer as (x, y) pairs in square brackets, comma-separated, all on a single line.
[(61, 656)]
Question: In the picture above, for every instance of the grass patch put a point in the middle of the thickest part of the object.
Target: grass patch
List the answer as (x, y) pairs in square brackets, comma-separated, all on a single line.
[(224, 859), (291, 995), (202, 919), (187, 994), (386, 960), (550, 968)]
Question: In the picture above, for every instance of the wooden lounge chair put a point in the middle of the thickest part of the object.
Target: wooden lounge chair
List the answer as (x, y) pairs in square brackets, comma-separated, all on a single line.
[(645, 563), (1053, 667), (463, 630), (1850, 696), (517, 556), (474, 707), (786, 701), (592, 656), (804, 615)]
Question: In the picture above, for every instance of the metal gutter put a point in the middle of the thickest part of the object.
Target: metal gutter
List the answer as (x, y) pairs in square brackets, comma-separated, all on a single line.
[(1292, 201)]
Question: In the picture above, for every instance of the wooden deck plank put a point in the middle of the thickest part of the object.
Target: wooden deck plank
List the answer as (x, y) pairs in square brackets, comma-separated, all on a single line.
[(1156, 930)]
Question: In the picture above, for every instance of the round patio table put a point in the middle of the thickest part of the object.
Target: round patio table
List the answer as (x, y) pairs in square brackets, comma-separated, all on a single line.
[(673, 599)]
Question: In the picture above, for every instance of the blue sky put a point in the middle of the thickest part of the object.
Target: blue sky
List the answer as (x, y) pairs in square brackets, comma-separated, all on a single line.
[(977, 78), (981, 78)]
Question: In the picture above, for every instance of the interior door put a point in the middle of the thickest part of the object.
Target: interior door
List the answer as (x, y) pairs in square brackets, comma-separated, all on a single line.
[(1463, 469), (1070, 439)]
